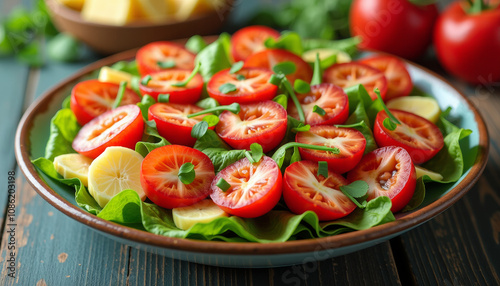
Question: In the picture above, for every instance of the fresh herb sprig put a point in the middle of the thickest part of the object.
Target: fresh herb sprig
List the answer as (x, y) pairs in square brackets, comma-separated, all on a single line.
[(279, 155), (279, 79), (233, 107)]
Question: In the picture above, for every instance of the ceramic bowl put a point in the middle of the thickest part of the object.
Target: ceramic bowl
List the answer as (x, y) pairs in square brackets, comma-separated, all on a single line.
[(33, 131), (110, 39)]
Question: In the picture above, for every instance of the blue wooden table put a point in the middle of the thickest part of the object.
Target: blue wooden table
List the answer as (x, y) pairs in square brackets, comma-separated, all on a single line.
[(459, 247)]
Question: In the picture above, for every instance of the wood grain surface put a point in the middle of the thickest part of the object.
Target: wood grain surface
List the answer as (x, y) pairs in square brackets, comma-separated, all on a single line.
[(459, 247)]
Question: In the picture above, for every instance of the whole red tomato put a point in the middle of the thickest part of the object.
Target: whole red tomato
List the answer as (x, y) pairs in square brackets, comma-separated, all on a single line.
[(468, 45), (393, 26)]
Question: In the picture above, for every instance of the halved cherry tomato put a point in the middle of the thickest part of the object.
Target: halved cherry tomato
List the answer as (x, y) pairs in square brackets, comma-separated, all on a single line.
[(172, 121), (269, 58), (398, 79), (255, 188), (353, 73), (92, 98), (389, 171), (149, 55), (305, 190), (250, 40), (417, 135), (254, 87), (160, 180), (122, 126), (350, 142), (161, 83), (332, 99), (263, 122)]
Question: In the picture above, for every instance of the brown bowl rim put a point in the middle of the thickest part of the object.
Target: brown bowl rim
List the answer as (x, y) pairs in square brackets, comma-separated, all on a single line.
[(75, 16), (407, 221)]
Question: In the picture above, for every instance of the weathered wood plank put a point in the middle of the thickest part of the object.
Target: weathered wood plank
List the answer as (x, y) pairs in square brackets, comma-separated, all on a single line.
[(373, 266), (57, 250)]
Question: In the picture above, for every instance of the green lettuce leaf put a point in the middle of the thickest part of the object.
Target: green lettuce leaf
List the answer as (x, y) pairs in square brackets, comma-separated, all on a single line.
[(63, 130), (217, 150), (214, 57)]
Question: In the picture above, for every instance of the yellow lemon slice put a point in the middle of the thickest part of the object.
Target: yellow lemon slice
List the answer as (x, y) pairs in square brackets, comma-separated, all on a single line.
[(310, 56), (427, 107), (107, 74), (73, 166), (433, 175), (203, 211), (115, 170)]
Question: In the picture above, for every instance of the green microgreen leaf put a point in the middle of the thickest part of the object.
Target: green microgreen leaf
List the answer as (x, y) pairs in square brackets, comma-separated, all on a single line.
[(236, 67), (316, 79), (223, 185), (354, 125), (285, 68), (146, 101), (323, 169), (282, 100), (389, 114), (186, 173), (319, 110), (301, 86), (227, 88), (165, 98), (189, 78), (240, 77), (199, 129), (288, 87), (119, 96), (279, 155), (355, 190), (166, 64), (301, 128), (257, 151), (276, 79), (295, 155), (389, 124), (211, 119), (145, 80), (233, 107)]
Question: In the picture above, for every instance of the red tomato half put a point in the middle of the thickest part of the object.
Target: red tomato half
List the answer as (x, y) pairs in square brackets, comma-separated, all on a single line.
[(255, 86), (350, 142), (172, 121), (122, 126), (269, 58), (305, 190), (160, 180), (399, 27), (250, 40), (149, 55), (420, 137), (389, 171), (332, 99), (255, 188), (92, 98), (161, 83), (262, 122), (398, 79), (354, 73)]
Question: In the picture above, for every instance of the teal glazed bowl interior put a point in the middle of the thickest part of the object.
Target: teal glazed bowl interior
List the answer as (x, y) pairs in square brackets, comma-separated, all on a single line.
[(32, 135)]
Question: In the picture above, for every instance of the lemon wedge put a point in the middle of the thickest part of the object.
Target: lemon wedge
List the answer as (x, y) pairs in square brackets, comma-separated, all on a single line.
[(107, 74), (73, 166), (324, 53), (203, 211), (433, 175), (427, 107), (115, 170)]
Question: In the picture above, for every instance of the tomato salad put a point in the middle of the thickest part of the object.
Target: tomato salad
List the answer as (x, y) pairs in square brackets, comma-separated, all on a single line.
[(257, 130)]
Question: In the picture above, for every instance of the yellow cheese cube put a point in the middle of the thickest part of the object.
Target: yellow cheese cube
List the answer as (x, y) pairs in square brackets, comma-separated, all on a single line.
[(73, 4), (107, 74), (113, 12)]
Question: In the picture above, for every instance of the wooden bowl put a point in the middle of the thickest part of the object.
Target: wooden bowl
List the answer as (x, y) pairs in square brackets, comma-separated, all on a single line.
[(109, 39)]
